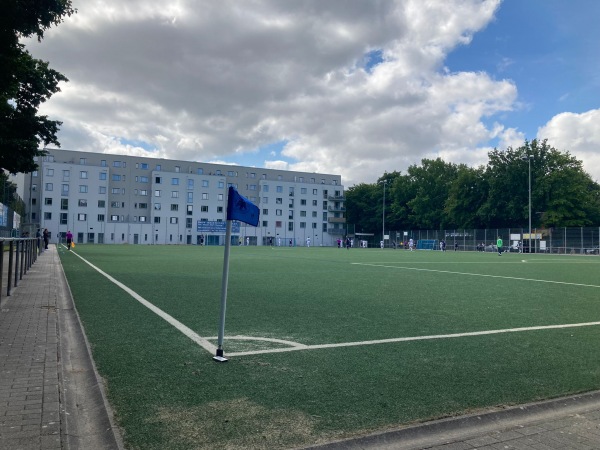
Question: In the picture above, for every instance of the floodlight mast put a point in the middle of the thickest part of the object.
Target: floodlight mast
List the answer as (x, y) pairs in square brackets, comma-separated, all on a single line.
[(383, 215), (528, 158)]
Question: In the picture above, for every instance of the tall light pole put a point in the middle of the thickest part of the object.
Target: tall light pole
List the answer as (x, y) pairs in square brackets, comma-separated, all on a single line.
[(528, 158), (383, 215)]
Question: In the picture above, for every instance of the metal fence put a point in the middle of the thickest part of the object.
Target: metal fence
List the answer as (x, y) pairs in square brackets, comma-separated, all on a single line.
[(581, 240), (16, 258)]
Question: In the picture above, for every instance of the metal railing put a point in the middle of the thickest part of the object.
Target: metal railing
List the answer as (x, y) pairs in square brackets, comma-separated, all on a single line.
[(19, 254)]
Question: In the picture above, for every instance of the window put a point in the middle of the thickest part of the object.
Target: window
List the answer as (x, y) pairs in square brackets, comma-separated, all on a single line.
[(174, 207), (63, 218), (34, 173), (47, 216), (279, 200), (157, 206), (66, 175), (64, 204), (174, 194), (173, 220), (143, 205), (190, 183), (189, 210), (291, 191), (116, 177), (252, 187), (204, 183), (47, 201), (156, 220), (314, 191), (221, 184), (265, 200), (102, 175), (291, 214), (144, 166), (204, 208), (143, 192), (82, 217), (291, 226), (83, 188), (101, 204), (279, 188), (175, 181), (265, 212), (144, 179), (142, 218), (115, 190), (265, 188), (314, 214), (218, 172), (314, 203), (219, 209), (49, 172), (101, 189), (177, 169), (82, 203), (158, 167), (188, 222), (115, 204), (82, 161), (301, 180), (302, 224), (265, 223), (302, 190), (302, 213), (278, 212), (103, 163), (303, 202), (220, 197), (157, 193), (230, 173), (34, 187), (205, 196), (83, 174), (49, 186), (190, 197), (114, 218), (100, 217), (200, 171), (158, 180), (314, 225), (278, 224), (116, 164)]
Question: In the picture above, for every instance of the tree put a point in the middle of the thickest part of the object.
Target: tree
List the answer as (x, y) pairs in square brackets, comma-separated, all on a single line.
[(25, 82), (466, 196)]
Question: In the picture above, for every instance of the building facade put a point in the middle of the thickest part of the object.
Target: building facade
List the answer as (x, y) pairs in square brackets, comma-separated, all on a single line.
[(117, 199)]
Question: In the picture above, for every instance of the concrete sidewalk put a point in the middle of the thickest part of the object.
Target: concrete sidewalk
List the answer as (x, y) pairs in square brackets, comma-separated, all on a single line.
[(50, 396)]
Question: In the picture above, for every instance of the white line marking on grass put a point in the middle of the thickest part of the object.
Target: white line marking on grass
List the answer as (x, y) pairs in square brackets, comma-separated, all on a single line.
[(413, 338), (202, 342), (479, 275)]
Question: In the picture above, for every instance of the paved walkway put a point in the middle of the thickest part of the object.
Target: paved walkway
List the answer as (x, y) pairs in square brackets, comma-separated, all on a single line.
[(50, 396)]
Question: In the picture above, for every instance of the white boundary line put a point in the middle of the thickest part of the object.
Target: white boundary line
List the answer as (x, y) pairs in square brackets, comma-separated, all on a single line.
[(294, 346), (477, 275), (202, 342), (413, 338)]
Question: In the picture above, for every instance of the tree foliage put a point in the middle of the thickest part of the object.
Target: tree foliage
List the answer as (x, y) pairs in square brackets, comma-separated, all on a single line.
[(26, 82), (441, 195)]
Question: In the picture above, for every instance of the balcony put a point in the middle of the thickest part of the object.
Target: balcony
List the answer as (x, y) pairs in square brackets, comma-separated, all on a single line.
[(336, 209), (340, 198), (336, 231), (336, 219)]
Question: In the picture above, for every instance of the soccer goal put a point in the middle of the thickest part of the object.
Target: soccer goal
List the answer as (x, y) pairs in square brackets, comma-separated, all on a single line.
[(427, 244)]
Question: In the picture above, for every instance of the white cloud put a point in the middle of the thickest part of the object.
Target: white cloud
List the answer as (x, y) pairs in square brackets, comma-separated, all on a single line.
[(578, 134), (204, 80)]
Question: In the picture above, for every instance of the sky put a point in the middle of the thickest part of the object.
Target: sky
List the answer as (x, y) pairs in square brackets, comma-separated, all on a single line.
[(349, 87)]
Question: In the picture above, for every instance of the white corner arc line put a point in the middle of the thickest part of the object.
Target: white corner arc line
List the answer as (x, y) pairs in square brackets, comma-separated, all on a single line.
[(202, 342), (477, 275)]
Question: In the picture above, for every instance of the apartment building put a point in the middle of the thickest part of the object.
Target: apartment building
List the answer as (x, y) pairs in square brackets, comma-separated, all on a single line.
[(118, 199)]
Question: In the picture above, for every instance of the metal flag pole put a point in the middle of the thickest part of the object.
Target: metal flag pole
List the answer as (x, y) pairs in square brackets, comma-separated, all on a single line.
[(219, 356)]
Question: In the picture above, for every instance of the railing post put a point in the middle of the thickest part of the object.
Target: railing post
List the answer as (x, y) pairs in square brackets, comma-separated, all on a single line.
[(11, 250), (1, 265)]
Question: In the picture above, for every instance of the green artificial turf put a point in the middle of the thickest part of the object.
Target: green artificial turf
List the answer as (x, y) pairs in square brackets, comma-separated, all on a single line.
[(168, 392)]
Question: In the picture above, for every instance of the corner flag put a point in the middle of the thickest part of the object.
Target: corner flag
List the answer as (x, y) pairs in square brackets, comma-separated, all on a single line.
[(242, 209)]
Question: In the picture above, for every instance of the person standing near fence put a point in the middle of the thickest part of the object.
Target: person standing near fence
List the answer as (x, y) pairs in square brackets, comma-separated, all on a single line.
[(46, 236), (499, 245), (69, 239)]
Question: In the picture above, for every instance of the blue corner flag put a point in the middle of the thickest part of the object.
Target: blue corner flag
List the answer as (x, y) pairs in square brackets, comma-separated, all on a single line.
[(242, 209)]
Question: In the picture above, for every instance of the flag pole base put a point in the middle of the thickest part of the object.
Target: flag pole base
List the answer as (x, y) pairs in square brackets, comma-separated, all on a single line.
[(219, 356)]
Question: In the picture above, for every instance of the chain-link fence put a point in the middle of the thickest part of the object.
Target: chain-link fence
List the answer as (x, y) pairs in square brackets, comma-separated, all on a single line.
[(582, 240)]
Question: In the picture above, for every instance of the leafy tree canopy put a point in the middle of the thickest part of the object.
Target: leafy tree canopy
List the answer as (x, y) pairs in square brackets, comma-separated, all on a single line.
[(26, 82)]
